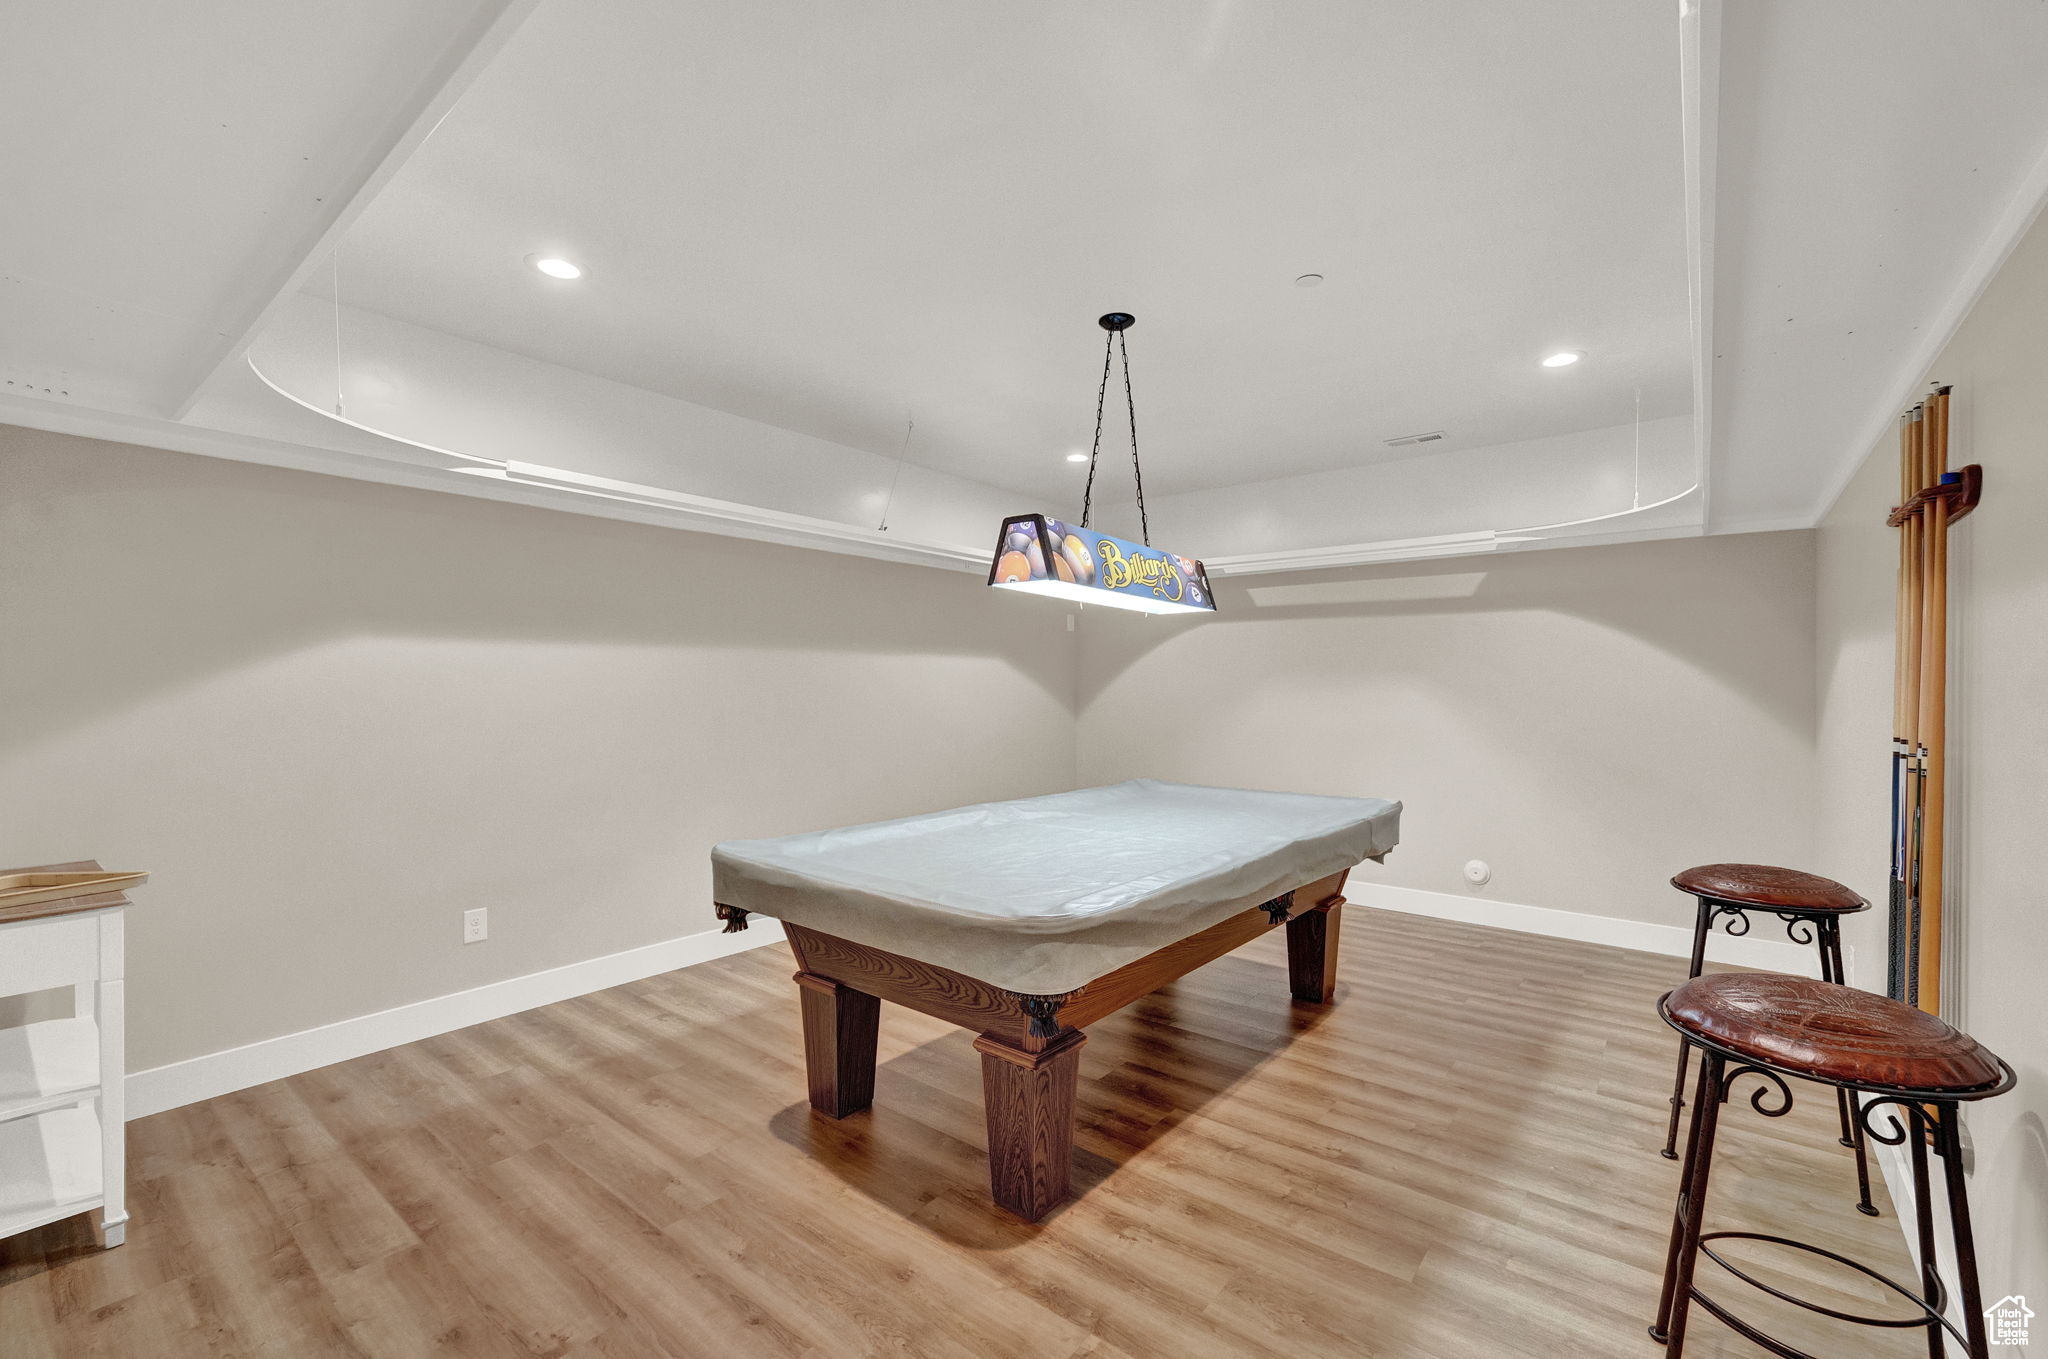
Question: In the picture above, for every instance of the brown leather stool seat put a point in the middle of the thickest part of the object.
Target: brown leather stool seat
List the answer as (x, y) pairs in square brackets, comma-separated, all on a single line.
[(1767, 888), (1900, 1077), (1829, 1033)]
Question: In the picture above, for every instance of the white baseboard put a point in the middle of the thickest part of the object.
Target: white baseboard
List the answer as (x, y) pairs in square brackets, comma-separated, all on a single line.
[(219, 1073), (1775, 955)]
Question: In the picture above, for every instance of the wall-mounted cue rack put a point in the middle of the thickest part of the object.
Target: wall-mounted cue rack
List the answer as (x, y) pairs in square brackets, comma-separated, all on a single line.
[(1931, 498)]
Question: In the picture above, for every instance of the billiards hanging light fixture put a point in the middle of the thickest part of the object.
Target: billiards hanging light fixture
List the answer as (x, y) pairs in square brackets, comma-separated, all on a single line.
[(1046, 556)]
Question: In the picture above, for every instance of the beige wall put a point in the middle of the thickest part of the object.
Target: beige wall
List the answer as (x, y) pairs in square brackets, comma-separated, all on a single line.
[(329, 715), (1997, 941), (1588, 720)]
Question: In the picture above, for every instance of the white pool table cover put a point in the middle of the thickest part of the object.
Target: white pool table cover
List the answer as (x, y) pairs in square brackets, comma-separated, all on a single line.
[(1046, 893)]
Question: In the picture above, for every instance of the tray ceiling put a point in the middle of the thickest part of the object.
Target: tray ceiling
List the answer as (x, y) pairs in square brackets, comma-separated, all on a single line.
[(836, 219), (805, 224)]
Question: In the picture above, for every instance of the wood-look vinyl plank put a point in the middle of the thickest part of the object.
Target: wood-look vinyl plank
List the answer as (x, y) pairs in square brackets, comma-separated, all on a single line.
[(417, 1303), (1129, 1302), (898, 1155), (1201, 1220), (335, 1214), (1247, 1206), (1294, 1315), (521, 1287), (29, 1320), (171, 1320), (661, 1183), (624, 1343), (351, 1100), (527, 1106), (274, 1129), (789, 1303), (653, 1283), (93, 1278), (1504, 1313), (272, 1304), (1457, 1157), (177, 1140), (1095, 1347), (240, 1222), (465, 1054), (892, 1257)]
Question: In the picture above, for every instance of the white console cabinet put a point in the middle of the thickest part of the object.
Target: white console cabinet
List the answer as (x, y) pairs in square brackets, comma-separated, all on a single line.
[(62, 1150)]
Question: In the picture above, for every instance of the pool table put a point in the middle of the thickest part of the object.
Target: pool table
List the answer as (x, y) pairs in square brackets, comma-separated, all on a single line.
[(1026, 921)]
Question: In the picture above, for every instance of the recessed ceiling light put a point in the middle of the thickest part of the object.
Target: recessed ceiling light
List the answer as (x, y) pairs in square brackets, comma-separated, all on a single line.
[(555, 267), (1308, 280), (1077, 457), (1564, 358)]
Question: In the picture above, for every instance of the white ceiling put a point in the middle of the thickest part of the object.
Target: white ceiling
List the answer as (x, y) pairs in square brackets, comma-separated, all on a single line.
[(166, 168), (829, 218), (1877, 160), (834, 218)]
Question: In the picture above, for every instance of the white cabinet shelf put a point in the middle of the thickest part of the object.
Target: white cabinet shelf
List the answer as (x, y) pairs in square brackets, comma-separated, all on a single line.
[(48, 1065), (49, 1167), (63, 1145)]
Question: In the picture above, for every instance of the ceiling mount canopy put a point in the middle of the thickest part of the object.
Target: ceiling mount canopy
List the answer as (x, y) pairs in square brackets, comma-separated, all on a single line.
[(1041, 555)]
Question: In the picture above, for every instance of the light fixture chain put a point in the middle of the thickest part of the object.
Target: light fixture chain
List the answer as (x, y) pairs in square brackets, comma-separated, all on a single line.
[(1137, 472), (1088, 495)]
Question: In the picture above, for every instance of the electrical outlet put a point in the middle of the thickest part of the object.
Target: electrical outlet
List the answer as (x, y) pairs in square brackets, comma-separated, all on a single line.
[(476, 925)]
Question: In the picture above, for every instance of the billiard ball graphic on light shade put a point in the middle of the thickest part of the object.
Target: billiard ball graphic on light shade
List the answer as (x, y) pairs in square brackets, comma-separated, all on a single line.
[(1077, 555)]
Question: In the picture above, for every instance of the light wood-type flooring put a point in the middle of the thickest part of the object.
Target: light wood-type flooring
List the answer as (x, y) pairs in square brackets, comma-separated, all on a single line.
[(1456, 1158)]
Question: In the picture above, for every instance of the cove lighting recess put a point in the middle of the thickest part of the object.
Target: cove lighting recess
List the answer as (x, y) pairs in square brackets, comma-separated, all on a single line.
[(1564, 358), (555, 267)]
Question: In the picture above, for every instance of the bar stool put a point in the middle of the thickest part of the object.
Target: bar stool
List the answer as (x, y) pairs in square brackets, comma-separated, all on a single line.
[(1878, 1052), (1812, 908)]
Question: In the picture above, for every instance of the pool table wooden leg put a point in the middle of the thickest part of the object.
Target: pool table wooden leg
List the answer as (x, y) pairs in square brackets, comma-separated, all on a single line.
[(1312, 953), (1030, 1106), (840, 1027)]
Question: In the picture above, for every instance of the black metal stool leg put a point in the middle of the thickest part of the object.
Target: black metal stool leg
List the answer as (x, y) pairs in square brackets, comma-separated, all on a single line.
[(1670, 1151), (1676, 1303), (1923, 1202), (1948, 1144), (1700, 927), (1828, 939), (1855, 1139)]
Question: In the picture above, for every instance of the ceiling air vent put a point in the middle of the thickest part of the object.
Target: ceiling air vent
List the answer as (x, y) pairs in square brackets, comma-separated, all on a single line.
[(1405, 440)]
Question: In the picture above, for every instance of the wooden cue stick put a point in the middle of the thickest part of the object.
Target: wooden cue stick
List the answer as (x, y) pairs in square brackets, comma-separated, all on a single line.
[(1934, 716), (1899, 620), (1909, 793), (1896, 937)]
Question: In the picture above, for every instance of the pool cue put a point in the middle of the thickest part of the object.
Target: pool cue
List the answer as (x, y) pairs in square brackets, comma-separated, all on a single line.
[(1933, 713), (1910, 783), (1895, 954)]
